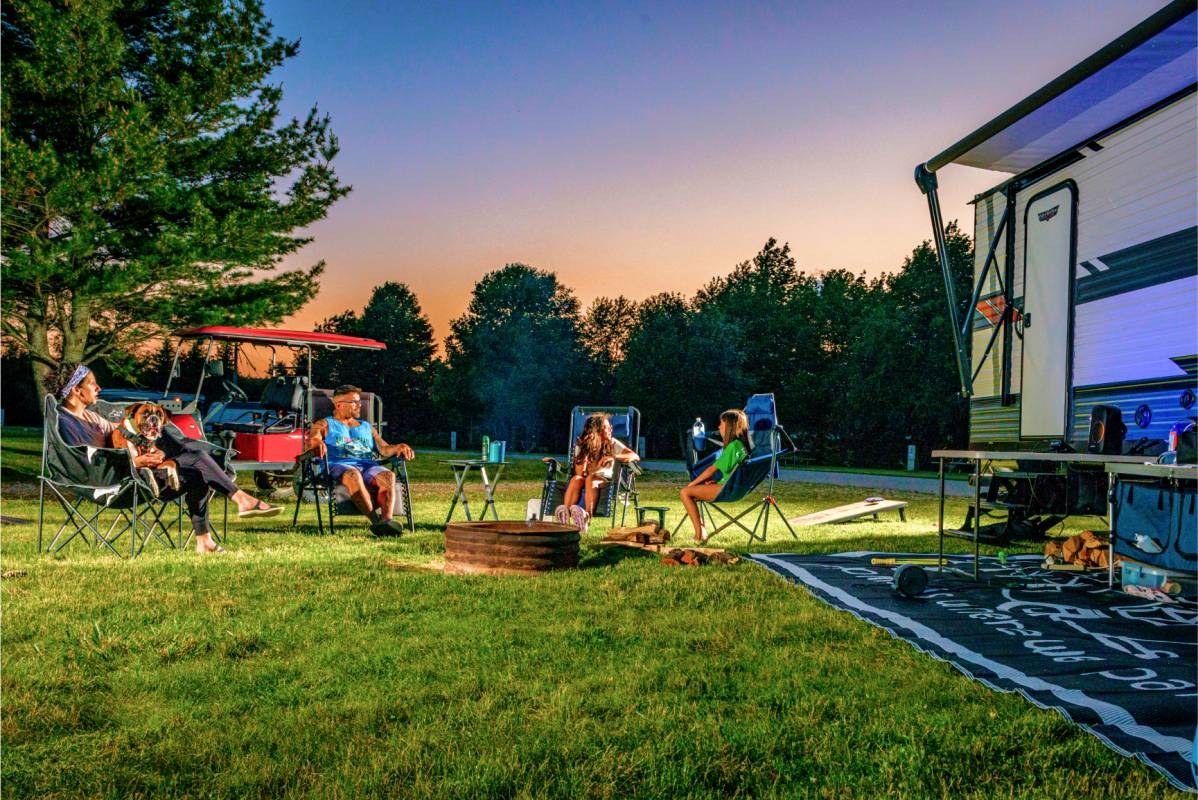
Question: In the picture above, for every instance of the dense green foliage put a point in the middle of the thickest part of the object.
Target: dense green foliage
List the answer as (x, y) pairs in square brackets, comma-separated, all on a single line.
[(403, 373), (301, 666), (514, 362), (146, 184), (860, 368)]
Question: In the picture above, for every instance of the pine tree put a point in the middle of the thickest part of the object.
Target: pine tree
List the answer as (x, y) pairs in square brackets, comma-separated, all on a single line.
[(146, 185)]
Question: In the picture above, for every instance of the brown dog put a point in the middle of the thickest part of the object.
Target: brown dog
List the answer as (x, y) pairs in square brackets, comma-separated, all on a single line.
[(139, 432)]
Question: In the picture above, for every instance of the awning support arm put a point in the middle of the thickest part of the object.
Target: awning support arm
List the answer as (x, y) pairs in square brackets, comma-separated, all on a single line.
[(926, 180)]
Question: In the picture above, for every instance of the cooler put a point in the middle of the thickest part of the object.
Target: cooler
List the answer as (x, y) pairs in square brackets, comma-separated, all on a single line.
[(277, 447)]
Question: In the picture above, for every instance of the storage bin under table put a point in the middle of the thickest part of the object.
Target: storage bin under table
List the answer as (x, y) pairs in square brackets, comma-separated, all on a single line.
[(1157, 501)]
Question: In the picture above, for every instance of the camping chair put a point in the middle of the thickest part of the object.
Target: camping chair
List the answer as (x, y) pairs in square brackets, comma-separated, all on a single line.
[(87, 481), (625, 426), (222, 454), (312, 476), (765, 438)]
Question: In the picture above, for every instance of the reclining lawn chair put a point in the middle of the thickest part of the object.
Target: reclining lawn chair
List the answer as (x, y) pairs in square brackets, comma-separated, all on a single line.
[(625, 426), (312, 476), (88, 481), (766, 446)]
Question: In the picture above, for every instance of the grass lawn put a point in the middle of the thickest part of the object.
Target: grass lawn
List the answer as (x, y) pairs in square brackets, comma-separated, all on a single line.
[(306, 666)]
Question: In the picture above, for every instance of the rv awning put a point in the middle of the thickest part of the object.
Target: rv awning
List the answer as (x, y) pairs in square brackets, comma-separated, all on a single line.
[(1150, 63)]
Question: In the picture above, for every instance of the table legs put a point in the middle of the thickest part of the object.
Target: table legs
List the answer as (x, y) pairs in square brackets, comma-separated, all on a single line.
[(459, 475), (940, 519), (489, 487), (459, 493)]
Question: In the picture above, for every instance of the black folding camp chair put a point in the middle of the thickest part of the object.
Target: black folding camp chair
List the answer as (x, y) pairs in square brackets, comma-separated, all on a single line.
[(766, 439), (88, 481), (621, 490), (312, 478)]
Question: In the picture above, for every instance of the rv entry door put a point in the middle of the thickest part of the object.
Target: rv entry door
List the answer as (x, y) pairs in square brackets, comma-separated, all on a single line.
[(1048, 255)]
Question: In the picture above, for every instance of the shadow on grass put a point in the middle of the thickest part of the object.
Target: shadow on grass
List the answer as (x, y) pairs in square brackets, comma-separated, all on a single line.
[(597, 557)]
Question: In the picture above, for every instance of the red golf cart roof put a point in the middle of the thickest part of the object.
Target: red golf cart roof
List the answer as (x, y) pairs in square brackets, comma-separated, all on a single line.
[(289, 338)]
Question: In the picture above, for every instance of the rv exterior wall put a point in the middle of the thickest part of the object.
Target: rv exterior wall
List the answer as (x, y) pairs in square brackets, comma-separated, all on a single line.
[(1135, 282)]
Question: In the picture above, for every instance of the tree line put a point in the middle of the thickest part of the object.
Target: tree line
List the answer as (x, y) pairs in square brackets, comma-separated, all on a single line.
[(860, 367)]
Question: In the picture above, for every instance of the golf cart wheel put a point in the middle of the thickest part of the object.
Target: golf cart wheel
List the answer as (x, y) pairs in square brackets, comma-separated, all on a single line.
[(268, 480)]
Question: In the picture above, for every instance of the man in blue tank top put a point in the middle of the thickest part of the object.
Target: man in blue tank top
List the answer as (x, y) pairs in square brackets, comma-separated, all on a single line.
[(351, 445)]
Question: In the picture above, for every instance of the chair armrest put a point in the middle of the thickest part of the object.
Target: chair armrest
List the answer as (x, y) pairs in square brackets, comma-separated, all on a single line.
[(107, 466), (392, 461), (310, 454)]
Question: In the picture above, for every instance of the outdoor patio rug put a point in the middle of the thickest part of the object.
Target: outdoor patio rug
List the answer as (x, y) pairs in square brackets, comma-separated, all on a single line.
[(1122, 668)]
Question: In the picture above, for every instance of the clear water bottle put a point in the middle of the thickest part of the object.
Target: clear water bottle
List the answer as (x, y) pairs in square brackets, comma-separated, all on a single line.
[(1146, 543), (698, 433), (486, 447)]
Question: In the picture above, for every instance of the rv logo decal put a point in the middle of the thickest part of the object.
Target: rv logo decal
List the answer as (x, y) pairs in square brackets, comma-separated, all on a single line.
[(992, 309), (1045, 216)]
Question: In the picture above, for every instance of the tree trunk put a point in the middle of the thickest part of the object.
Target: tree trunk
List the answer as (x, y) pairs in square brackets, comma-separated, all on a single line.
[(74, 331), (40, 355)]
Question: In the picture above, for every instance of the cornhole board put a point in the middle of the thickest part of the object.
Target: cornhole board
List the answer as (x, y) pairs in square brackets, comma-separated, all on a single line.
[(852, 511)]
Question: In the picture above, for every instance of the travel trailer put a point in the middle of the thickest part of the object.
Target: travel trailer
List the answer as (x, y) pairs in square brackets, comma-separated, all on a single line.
[(1086, 266)]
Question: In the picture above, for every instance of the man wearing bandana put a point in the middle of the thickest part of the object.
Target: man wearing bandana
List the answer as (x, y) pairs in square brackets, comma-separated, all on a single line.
[(75, 387)]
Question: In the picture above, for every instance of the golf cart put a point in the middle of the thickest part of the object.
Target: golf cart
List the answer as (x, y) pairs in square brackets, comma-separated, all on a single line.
[(267, 433)]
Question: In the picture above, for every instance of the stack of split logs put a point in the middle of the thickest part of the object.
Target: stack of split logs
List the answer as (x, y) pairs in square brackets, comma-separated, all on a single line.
[(1087, 549), (696, 557), (650, 537), (649, 533)]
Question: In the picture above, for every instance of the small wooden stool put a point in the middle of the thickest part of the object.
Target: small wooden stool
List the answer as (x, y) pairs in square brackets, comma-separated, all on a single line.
[(660, 511)]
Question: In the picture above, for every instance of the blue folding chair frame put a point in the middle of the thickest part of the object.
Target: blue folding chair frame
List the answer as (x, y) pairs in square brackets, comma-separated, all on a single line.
[(766, 436)]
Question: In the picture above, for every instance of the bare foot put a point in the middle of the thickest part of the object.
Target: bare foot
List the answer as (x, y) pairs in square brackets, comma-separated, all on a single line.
[(206, 544)]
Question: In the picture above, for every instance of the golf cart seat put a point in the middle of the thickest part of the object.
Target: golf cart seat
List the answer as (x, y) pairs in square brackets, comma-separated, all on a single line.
[(625, 426), (279, 409)]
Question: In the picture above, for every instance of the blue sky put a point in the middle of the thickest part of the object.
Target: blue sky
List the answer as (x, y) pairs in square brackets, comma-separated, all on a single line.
[(638, 148)]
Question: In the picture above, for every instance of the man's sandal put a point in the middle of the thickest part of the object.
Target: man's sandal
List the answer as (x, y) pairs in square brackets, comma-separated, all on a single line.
[(387, 528), (260, 509)]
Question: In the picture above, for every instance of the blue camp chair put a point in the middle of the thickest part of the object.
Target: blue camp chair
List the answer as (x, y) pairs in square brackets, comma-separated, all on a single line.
[(625, 426), (766, 438)]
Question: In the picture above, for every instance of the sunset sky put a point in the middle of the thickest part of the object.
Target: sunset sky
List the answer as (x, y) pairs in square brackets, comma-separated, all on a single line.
[(640, 148)]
